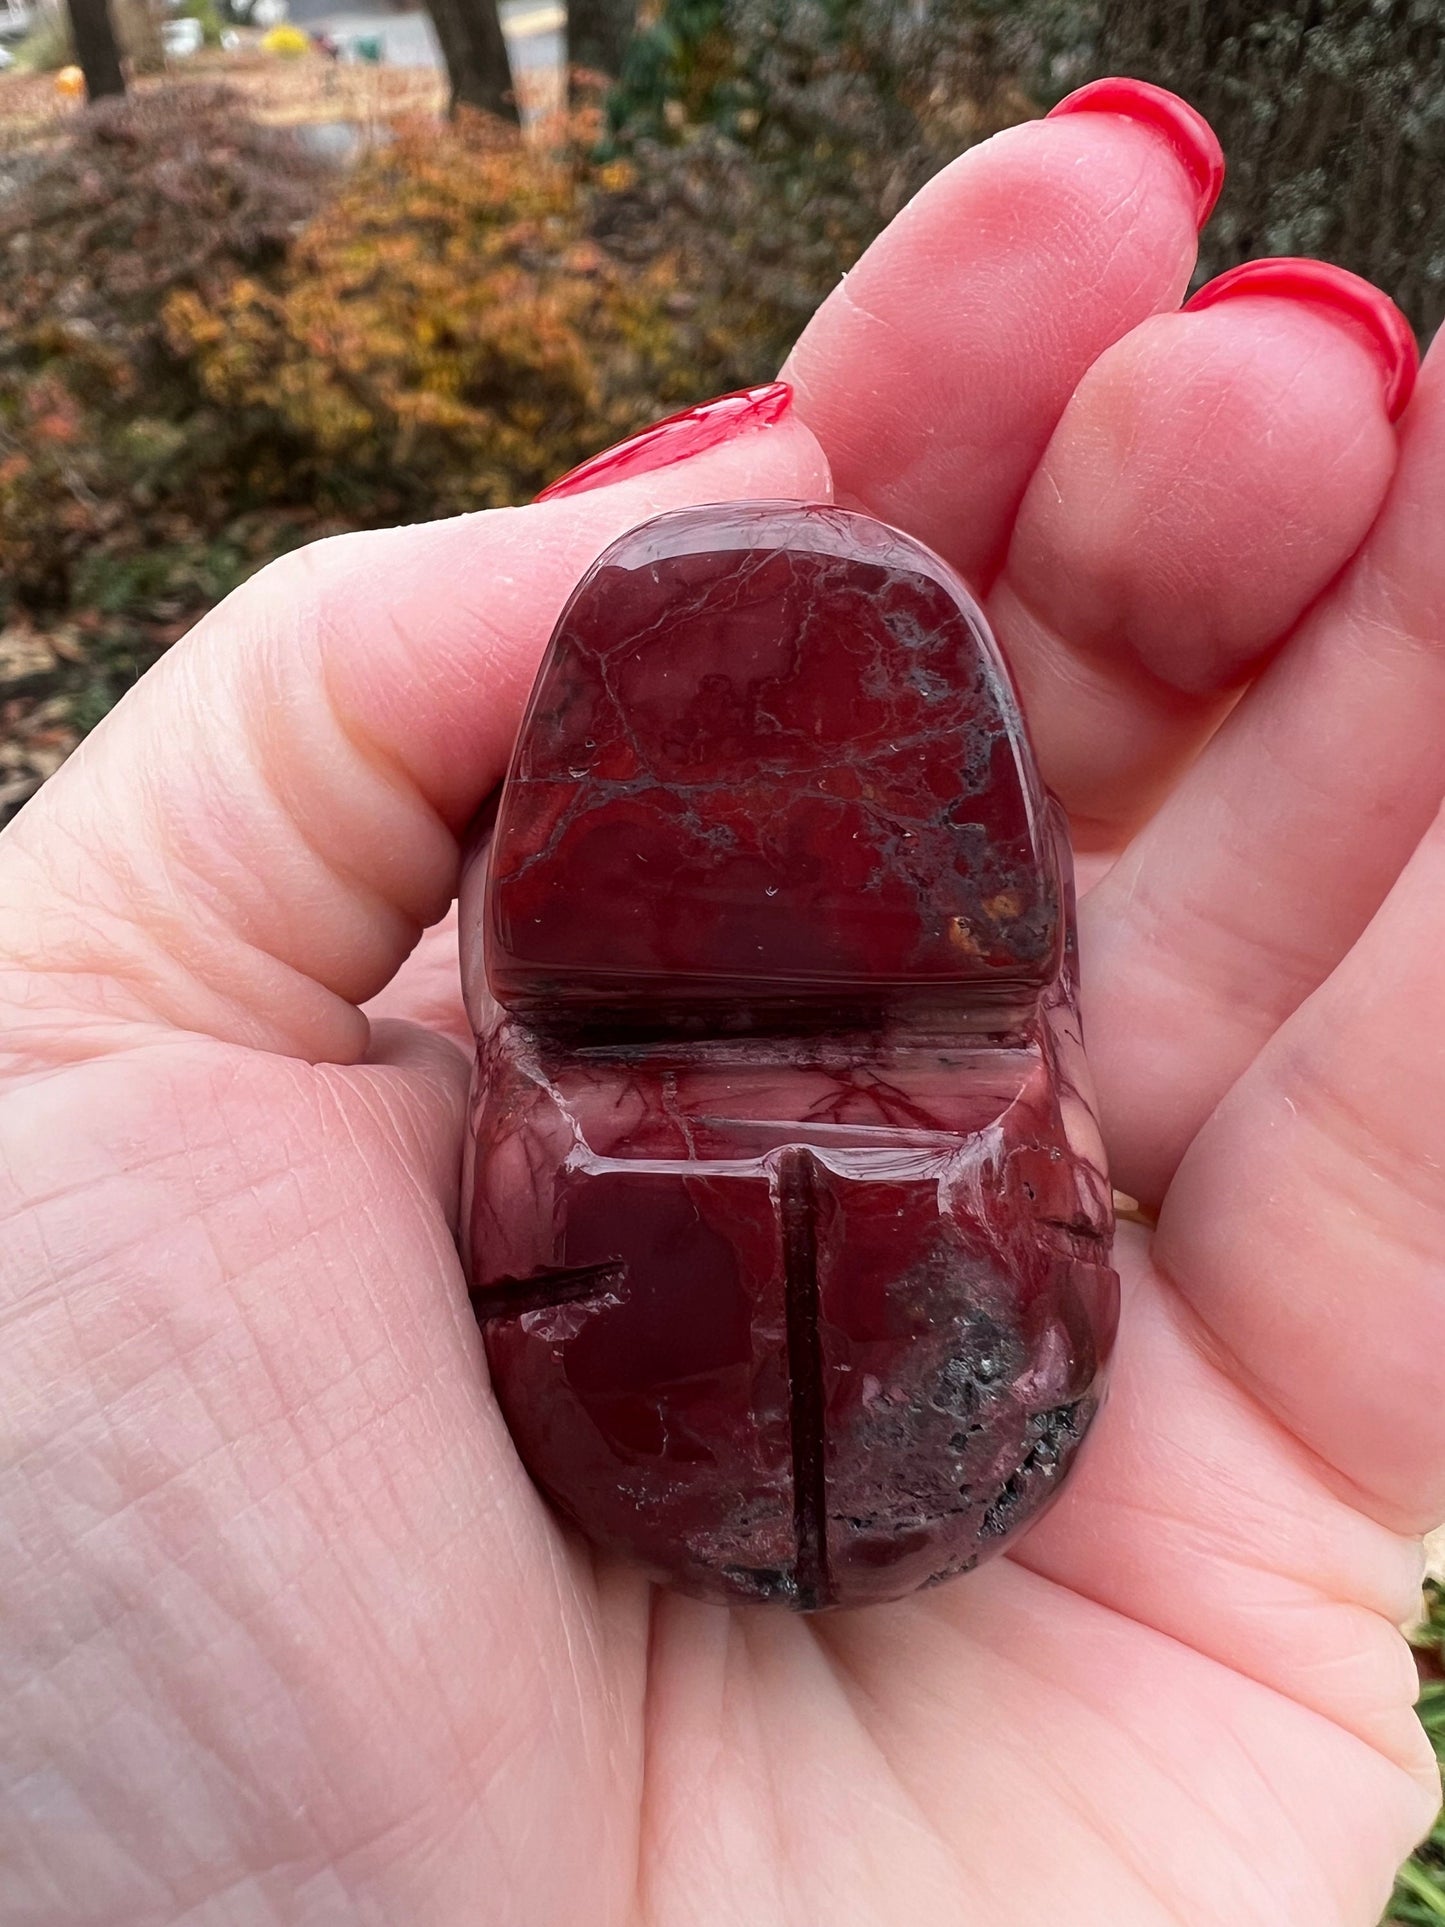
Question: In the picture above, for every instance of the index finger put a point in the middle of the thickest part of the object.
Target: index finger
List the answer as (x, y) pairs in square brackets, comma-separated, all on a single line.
[(936, 372)]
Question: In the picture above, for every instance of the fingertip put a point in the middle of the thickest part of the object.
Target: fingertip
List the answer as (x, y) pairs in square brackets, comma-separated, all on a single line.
[(691, 431), (936, 371), (1350, 301), (1213, 473), (1188, 134), (753, 442)]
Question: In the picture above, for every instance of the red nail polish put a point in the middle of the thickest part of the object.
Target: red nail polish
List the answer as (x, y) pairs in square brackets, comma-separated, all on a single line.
[(690, 432), (1184, 127), (1371, 315)]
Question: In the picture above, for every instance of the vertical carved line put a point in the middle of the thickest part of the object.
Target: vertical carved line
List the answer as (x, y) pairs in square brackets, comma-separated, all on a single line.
[(798, 1200)]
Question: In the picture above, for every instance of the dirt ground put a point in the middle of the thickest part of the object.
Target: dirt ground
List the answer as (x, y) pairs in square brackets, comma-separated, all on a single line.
[(285, 92)]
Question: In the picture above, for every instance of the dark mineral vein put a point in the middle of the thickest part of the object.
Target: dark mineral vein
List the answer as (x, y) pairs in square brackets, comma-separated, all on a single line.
[(566, 1285), (798, 1199)]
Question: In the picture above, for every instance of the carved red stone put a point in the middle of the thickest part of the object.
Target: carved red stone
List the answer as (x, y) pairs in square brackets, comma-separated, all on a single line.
[(787, 1219)]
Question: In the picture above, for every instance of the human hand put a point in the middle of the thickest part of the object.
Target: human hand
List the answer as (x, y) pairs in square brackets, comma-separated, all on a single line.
[(286, 1634)]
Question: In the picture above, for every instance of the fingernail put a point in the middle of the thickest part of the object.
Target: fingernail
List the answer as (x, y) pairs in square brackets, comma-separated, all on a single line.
[(1184, 127), (690, 432), (1371, 316)]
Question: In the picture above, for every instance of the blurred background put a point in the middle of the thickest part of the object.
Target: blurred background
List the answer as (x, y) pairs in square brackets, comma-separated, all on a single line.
[(271, 270)]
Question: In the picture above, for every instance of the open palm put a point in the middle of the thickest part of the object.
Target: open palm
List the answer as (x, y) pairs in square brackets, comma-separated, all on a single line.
[(285, 1634)]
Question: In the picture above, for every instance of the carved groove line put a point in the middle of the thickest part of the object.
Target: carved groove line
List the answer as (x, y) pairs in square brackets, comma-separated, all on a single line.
[(797, 1190)]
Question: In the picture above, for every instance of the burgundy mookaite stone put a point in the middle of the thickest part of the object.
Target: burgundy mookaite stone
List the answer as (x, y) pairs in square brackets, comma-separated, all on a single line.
[(786, 1215)]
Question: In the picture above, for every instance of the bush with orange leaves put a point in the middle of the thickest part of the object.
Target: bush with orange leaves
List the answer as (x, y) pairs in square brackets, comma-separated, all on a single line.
[(443, 335), (435, 332), (141, 198)]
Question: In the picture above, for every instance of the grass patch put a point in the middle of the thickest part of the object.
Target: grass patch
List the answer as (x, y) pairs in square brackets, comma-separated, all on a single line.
[(1420, 1884)]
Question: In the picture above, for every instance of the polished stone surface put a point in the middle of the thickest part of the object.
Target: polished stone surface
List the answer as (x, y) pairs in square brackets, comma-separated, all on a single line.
[(779, 772), (787, 1222)]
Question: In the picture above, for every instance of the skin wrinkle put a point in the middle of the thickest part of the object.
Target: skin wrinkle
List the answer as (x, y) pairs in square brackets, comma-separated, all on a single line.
[(1168, 945), (159, 901), (1080, 669), (103, 941), (1301, 1469), (137, 1824), (332, 1867), (373, 906), (906, 1808), (248, 1185), (141, 1501), (731, 1638), (1049, 675), (1377, 1711), (382, 1654), (1113, 1842), (1380, 619), (1214, 1348), (1063, 1782), (213, 1012), (366, 909), (232, 1784), (1207, 1345), (773, 1792), (1210, 1543), (1397, 1162), (54, 1875), (657, 1839), (389, 764), (1411, 1758), (1165, 1761), (1392, 1684)]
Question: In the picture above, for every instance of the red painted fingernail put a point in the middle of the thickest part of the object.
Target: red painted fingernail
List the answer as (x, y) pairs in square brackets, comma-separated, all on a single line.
[(1184, 127), (1372, 316), (688, 433)]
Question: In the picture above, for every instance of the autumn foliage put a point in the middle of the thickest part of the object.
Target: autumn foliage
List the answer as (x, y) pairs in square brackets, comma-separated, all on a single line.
[(142, 199), (204, 332), (444, 335)]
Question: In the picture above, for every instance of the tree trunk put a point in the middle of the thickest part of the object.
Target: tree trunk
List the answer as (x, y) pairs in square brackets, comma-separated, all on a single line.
[(598, 34), (470, 32), (1332, 115), (96, 50), (138, 29)]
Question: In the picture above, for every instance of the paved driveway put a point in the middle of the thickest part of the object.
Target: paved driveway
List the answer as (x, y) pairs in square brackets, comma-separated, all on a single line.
[(534, 29)]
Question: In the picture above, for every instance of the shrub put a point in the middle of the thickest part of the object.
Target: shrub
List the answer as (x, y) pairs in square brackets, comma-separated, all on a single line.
[(207, 12), (772, 139), (175, 187), (181, 348), (1332, 113), (444, 334), (175, 190)]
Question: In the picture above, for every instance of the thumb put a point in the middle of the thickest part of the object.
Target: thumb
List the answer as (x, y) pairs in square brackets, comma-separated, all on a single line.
[(250, 844)]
